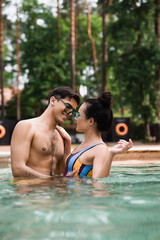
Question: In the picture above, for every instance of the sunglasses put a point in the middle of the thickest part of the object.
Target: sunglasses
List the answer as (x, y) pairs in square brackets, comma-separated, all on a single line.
[(68, 108), (77, 115)]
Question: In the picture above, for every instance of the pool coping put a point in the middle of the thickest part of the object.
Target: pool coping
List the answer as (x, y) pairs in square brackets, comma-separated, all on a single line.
[(138, 155)]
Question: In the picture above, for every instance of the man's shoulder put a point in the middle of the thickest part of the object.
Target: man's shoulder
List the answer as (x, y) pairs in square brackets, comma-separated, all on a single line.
[(26, 122), (23, 129), (29, 120)]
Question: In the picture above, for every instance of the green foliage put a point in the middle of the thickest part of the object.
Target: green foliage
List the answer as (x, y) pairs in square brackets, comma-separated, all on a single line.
[(133, 55), (43, 55), (84, 57), (46, 58), (7, 36)]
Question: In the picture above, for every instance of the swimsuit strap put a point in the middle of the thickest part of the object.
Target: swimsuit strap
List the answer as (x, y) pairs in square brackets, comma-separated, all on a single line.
[(71, 159), (83, 150), (84, 170)]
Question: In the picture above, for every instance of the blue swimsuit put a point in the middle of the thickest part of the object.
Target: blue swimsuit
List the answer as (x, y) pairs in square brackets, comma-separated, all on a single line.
[(73, 162)]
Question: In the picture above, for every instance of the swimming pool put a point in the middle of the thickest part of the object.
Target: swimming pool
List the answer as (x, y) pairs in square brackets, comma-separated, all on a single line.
[(124, 206)]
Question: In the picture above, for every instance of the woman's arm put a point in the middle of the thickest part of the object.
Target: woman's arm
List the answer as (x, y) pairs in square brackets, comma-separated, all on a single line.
[(67, 147), (102, 162), (67, 141)]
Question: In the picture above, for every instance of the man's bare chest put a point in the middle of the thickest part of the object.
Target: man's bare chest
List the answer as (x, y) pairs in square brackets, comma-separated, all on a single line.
[(48, 144)]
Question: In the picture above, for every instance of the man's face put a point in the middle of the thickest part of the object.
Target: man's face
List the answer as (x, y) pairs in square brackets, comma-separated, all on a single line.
[(65, 109)]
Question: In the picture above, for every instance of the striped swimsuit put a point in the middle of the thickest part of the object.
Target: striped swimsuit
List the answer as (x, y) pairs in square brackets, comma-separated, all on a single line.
[(73, 162)]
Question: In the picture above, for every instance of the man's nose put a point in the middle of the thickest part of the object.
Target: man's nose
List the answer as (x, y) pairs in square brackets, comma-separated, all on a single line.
[(69, 115)]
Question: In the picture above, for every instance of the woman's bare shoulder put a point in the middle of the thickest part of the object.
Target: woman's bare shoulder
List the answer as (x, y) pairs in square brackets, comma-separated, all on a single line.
[(101, 149)]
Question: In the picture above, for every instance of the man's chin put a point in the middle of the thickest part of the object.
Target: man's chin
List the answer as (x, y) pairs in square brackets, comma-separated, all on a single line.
[(60, 122), (64, 117)]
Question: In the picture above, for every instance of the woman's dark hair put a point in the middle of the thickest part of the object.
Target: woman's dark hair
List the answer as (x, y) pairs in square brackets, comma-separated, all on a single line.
[(64, 92), (101, 110)]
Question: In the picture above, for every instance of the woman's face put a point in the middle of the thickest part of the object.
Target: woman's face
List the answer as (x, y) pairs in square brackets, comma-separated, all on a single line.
[(82, 120)]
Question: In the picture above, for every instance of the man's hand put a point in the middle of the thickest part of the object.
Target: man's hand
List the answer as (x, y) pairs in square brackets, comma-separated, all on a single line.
[(121, 147)]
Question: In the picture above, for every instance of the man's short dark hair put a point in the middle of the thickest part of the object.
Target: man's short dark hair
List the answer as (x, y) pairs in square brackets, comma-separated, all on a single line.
[(63, 92)]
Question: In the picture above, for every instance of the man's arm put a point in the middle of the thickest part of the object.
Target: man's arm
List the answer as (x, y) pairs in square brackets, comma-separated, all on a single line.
[(20, 148)]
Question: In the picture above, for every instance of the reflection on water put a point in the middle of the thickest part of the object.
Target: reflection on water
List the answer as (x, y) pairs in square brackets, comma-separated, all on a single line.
[(124, 206)]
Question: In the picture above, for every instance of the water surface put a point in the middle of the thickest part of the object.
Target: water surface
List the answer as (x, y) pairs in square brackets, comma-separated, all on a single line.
[(124, 206)]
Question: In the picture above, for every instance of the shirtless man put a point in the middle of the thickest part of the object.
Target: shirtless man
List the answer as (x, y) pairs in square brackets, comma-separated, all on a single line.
[(37, 148)]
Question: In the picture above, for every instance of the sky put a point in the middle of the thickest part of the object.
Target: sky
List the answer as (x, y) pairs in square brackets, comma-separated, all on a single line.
[(11, 10)]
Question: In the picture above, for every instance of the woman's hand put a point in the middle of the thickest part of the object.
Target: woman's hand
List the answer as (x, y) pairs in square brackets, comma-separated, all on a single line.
[(66, 140), (121, 147), (63, 133)]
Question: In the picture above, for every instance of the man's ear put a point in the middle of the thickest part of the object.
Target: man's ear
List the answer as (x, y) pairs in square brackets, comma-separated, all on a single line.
[(52, 100)]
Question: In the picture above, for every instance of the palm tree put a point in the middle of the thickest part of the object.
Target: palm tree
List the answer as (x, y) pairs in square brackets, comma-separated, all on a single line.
[(104, 45), (93, 47)]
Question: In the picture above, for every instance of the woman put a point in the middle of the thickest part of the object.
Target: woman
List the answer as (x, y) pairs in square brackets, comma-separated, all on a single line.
[(92, 157)]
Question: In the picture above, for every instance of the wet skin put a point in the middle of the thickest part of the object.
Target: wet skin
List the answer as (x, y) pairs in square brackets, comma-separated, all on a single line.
[(37, 149)]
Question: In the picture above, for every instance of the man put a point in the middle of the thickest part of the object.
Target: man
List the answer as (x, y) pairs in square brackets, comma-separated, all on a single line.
[(37, 148)]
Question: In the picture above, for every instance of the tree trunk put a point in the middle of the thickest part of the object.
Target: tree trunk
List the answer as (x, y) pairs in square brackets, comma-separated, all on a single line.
[(1, 61), (72, 43), (157, 31), (104, 45), (120, 98), (104, 48), (76, 25), (93, 47), (18, 69), (147, 129), (110, 3), (58, 21)]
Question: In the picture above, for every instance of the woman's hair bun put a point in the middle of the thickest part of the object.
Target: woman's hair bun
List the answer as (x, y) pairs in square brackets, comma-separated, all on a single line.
[(106, 99)]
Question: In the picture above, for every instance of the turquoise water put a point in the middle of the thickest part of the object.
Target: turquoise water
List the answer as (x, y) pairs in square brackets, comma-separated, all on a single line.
[(122, 207)]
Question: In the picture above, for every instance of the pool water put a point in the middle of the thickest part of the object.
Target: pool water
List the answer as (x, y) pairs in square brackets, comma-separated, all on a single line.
[(122, 207)]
